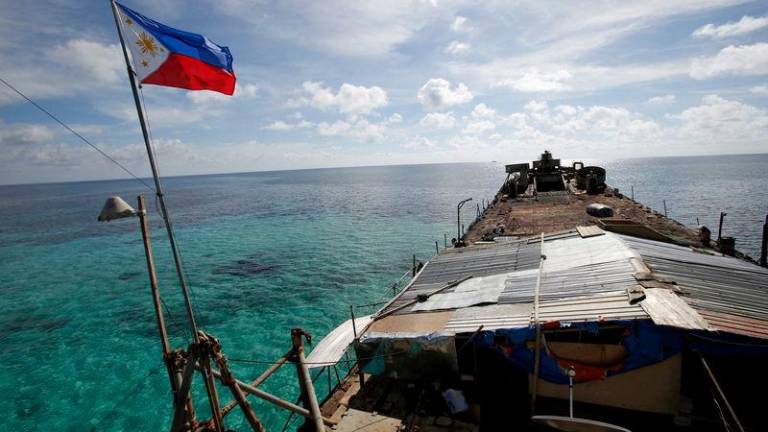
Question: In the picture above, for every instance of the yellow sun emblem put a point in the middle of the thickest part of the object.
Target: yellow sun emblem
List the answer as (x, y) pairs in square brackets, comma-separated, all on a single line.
[(147, 44)]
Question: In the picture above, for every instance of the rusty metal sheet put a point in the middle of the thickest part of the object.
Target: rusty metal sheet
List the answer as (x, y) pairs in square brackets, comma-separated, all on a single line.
[(730, 323), (492, 317), (597, 307), (715, 285), (589, 231), (666, 308)]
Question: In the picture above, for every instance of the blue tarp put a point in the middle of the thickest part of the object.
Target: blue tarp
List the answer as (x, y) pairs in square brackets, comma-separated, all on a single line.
[(645, 343)]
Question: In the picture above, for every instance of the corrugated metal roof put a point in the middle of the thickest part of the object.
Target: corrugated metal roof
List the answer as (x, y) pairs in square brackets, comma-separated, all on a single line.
[(736, 324), (575, 266), (476, 261), (585, 279), (491, 317), (605, 277), (715, 285), (666, 308), (332, 348), (596, 307)]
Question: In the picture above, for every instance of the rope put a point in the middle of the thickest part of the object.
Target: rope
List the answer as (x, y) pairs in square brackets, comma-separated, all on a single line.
[(178, 327), (145, 112), (110, 158), (82, 138)]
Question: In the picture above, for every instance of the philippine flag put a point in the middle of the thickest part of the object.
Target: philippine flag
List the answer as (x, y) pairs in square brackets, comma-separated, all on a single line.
[(166, 56)]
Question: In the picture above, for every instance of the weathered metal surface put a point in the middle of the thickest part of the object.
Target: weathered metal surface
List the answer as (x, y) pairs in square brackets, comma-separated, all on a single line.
[(575, 252), (596, 307), (332, 348), (719, 321), (575, 266), (589, 231), (477, 262), (709, 281), (491, 317), (667, 308), (475, 291)]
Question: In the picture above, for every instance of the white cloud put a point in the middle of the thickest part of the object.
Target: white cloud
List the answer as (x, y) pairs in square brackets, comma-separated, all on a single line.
[(732, 60), (746, 24), (283, 126), (458, 48), (761, 90), (483, 111), (242, 91), (419, 143), (438, 94), (395, 118), (461, 25), (350, 99), (339, 127), (99, 62), (165, 115), (661, 100), (616, 122), (438, 120), (337, 27), (478, 127), (721, 121), (361, 130), (360, 100), (21, 134), (534, 80)]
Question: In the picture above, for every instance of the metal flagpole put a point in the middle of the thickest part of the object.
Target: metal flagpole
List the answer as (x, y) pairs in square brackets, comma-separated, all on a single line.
[(155, 175), (209, 383)]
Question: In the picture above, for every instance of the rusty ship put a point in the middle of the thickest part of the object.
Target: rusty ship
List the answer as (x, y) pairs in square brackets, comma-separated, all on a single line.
[(565, 305)]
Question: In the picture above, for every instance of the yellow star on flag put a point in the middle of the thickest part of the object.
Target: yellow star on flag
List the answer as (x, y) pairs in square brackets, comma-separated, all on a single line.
[(147, 44)]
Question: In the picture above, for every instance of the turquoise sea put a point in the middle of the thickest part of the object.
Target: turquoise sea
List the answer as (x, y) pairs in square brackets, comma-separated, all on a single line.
[(264, 252)]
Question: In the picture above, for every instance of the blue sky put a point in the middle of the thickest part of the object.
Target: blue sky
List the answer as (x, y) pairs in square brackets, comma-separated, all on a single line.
[(341, 83)]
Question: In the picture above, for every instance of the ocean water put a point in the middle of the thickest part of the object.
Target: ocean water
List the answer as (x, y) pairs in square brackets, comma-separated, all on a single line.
[(264, 252)]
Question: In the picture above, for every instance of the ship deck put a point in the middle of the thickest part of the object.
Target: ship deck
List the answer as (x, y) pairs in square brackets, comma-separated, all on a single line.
[(540, 260)]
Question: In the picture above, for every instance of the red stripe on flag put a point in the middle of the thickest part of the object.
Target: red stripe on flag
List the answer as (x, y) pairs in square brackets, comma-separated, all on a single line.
[(190, 73)]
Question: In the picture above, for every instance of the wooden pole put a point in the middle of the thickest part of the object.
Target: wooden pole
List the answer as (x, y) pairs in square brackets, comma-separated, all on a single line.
[(163, 210), (437, 248), (213, 395), (153, 285), (229, 380), (182, 405), (720, 392), (413, 269), (665, 207), (305, 380), (273, 399), (183, 394), (259, 380), (537, 323)]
